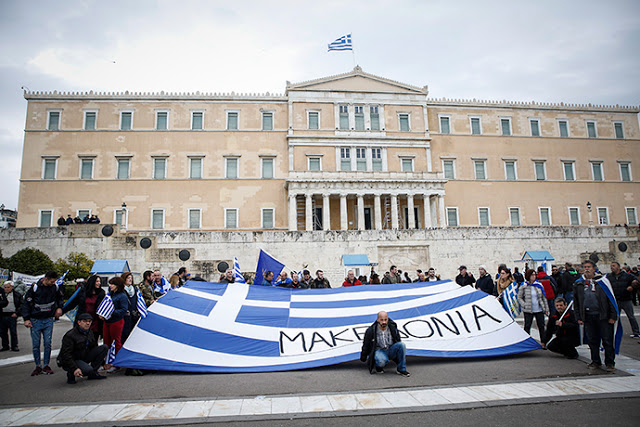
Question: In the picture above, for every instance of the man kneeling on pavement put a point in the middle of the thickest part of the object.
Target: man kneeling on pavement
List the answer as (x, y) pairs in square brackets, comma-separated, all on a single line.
[(564, 325), (80, 354), (381, 344)]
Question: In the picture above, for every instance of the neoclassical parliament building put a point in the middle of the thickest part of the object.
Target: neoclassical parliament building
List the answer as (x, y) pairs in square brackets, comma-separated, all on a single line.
[(353, 151)]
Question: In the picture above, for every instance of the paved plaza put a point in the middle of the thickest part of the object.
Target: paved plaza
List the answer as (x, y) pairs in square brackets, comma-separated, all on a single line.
[(443, 387)]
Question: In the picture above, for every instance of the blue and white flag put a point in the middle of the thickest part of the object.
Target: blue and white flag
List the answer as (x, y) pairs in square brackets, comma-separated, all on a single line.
[(60, 280), (237, 274), (71, 314), (267, 263), (111, 354), (608, 290), (219, 327), (106, 309), (140, 304), (342, 43), (510, 300), (161, 289)]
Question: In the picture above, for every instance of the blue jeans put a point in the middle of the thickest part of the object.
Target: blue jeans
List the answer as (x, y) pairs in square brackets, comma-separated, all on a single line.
[(396, 353), (44, 327)]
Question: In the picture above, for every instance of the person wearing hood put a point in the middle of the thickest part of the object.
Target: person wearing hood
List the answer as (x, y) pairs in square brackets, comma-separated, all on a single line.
[(80, 354)]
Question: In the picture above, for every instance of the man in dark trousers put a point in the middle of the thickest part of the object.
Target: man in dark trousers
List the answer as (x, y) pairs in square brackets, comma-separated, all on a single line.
[(381, 344), (9, 317), (80, 354), (567, 331)]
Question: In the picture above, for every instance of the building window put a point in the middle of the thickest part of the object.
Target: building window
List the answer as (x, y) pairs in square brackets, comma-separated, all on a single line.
[(123, 169), (376, 159), (505, 125), (231, 168), (267, 217), (541, 173), (267, 121), (510, 170), (480, 169), (545, 216), (535, 127), (625, 171), (361, 159), (344, 117), (53, 120), (162, 120), (90, 120), (49, 167), (574, 216), (345, 159), (195, 167), (569, 171), (232, 120), (618, 130), (157, 219), (596, 169), (231, 218), (119, 217), (86, 168), (475, 126), (514, 216), (375, 117), (444, 125), (603, 216), (404, 122), (159, 168), (315, 164), (197, 120), (483, 217), (407, 165), (632, 216), (313, 120), (267, 168), (84, 213), (452, 217), (359, 116), (195, 219), (563, 126), (449, 168), (45, 218), (591, 129), (126, 120)]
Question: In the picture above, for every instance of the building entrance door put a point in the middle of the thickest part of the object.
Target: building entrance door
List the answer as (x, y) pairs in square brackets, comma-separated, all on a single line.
[(367, 218)]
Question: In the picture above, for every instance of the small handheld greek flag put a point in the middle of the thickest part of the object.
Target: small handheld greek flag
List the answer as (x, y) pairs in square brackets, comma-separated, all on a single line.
[(142, 306), (111, 354), (60, 280), (105, 309), (510, 300), (237, 274), (342, 43)]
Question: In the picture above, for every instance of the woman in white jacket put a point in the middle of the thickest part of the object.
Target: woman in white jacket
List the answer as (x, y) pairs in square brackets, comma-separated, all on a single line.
[(533, 303)]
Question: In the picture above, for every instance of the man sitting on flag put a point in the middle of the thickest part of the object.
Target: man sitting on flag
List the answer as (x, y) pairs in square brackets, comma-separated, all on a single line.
[(381, 344), (596, 312), (564, 325), (80, 354)]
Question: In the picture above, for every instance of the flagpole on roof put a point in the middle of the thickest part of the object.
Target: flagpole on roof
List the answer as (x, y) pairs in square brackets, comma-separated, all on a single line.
[(353, 52)]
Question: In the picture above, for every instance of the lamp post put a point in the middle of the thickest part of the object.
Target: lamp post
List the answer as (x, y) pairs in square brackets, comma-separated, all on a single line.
[(124, 215), (590, 214)]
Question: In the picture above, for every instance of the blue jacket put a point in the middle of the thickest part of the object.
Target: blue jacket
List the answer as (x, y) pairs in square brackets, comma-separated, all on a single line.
[(120, 307)]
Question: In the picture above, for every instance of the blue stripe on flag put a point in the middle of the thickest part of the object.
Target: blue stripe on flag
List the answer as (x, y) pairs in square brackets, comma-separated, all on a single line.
[(207, 339), (268, 294), (106, 309), (265, 316), (209, 288), (141, 305), (187, 302)]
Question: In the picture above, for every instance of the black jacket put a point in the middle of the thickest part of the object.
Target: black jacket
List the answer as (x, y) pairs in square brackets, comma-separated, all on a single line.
[(485, 283), (79, 301), (467, 280), (567, 280), (17, 302), (43, 302), (605, 307), (370, 342), (3, 299), (75, 346), (620, 283), (569, 330)]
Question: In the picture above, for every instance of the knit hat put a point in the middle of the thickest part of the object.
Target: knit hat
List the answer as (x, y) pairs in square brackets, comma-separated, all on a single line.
[(84, 316)]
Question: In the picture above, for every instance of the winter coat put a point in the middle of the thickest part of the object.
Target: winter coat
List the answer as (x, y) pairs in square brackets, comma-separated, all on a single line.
[(524, 296), (75, 345), (606, 309), (42, 302), (370, 343), (569, 329), (620, 282), (485, 284), (120, 307)]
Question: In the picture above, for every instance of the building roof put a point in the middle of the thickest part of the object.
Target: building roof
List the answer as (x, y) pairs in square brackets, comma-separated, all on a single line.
[(356, 259), (537, 256), (104, 266)]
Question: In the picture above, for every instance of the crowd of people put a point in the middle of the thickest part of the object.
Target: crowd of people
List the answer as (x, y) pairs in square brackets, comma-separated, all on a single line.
[(88, 219)]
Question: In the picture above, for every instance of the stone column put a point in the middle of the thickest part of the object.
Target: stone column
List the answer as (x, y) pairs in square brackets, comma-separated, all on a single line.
[(434, 211), (344, 221), (377, 212), (293, 212), (427, 211), (360, 212), (411, 217), (394, 212), (309, 212), (441, 213), (326, 212)]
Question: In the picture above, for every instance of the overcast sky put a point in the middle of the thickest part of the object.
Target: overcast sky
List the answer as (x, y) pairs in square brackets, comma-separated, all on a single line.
[(582, 51)]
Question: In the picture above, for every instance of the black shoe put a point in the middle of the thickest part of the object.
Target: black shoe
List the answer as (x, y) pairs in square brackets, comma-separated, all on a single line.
[(573, 356), (94, 376), (379, 370), (71, 379), (4, 349), (15, 349), (404, 373)]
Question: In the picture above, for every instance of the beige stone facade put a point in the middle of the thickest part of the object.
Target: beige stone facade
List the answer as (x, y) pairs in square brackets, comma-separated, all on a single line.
[(347, 152)]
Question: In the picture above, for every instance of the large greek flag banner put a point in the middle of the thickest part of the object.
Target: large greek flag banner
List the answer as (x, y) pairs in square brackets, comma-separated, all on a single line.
[(214, 327)]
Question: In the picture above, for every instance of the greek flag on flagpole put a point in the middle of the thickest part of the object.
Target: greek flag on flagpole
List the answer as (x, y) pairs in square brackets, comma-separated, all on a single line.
[(142, 306), (342, 43), (237, 274), (111, 355), (60, 280), (105, 309)]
